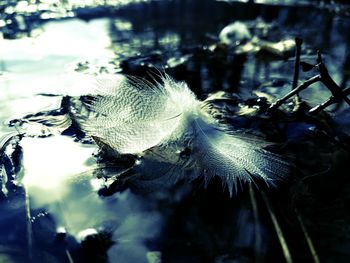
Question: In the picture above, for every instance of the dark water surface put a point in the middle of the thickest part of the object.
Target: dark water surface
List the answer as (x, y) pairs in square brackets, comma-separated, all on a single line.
[(50, 209)]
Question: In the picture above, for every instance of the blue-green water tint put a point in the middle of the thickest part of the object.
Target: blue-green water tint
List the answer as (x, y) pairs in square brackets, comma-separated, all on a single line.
[(47, 62)]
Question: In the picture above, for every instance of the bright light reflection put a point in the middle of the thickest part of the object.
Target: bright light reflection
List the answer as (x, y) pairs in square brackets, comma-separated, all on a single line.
[(38, 65), (50, 162), (55, 180), (64, 38), (87, 232)]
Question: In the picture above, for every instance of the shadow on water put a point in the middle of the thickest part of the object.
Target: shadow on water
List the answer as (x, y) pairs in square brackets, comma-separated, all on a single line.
[(66, 220)]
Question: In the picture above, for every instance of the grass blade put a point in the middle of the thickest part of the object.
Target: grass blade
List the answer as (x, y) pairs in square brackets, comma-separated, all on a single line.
[(307, 237), (257, 230), (278, 229)]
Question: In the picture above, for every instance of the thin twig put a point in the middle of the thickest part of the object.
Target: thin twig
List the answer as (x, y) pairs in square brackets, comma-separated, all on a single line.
[(298, 43), (66, 225), (258, 257), (69, 256), (29, 224), (330, 101), (338, 93), (307, 237), (328, 81), (295, 91), (324, 105), (278, 229)]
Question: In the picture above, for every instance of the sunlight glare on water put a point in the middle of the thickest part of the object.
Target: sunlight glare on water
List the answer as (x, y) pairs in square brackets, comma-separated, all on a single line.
[(39, 65), (50, 162), (58, 176)]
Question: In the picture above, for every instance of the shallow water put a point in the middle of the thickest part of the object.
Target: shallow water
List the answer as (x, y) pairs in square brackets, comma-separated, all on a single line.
[(58, 172)]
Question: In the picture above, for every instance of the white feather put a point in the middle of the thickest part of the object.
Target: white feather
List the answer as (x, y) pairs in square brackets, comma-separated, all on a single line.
[(134, 115)]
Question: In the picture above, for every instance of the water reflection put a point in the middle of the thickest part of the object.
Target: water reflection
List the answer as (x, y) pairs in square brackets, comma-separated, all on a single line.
[(41, 65), (181, 37), (141, 29)]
